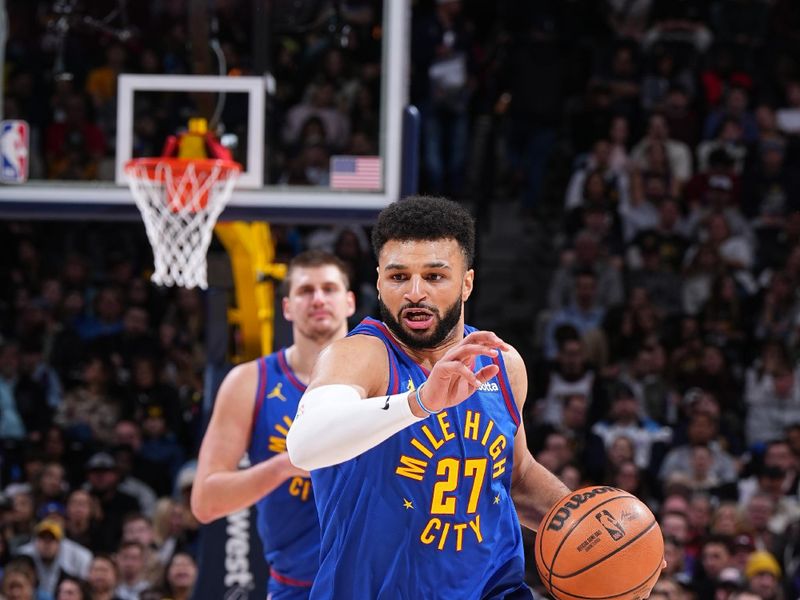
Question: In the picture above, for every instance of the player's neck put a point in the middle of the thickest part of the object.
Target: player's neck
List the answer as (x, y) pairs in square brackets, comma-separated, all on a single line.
[(427, 357), (301, 360), (303, 353)]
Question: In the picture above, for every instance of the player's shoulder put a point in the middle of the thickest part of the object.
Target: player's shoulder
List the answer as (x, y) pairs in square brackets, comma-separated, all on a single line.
[(517, 373), (245, 371), (237, 394), (240, 382), (355, 347), (355, 360), (512, 358)]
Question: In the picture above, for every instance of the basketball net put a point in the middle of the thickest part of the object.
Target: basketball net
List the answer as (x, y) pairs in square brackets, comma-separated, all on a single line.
[(180, 200)]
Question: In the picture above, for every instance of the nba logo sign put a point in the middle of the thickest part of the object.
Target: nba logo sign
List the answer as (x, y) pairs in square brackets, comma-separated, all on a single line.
[(14, 151), (612, 526)]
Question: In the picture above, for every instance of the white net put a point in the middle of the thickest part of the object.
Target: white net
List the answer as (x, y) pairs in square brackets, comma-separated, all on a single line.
[(180, 201)]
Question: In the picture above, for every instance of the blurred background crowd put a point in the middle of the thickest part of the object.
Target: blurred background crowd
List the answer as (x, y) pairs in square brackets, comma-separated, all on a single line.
[(656, 141)]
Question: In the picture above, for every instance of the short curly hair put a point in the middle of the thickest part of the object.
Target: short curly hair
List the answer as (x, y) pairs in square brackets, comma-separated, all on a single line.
[(426, 218)]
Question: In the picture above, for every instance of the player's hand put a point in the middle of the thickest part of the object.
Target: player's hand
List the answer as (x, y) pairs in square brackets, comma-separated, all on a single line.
[(452, 379), (663, 566)]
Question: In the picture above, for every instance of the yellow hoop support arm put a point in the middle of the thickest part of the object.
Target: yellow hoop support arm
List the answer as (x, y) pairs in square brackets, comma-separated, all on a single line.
[(252, 252)]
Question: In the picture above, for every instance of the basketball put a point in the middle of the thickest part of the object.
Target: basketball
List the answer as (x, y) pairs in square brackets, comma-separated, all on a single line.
[(599, 542)]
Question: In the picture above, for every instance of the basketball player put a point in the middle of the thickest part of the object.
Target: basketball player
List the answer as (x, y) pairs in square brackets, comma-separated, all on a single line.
[(410, 427), (253, 412)]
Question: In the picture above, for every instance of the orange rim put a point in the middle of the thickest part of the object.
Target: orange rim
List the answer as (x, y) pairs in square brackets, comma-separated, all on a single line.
[(178, 165)]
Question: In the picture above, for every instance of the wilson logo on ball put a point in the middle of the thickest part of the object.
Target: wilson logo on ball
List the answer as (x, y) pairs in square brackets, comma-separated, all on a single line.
[(612, 526), (575, 501)]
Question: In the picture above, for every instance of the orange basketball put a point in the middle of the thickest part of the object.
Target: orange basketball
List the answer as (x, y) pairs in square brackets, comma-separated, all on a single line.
[(599, 542)]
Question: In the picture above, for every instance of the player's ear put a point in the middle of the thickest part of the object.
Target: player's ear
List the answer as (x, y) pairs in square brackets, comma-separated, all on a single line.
[(351, 303), (287, 314), (468, 283)]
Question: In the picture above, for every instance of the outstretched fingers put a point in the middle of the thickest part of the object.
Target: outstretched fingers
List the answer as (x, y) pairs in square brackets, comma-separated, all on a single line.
[(467, 352), (474, 380), (486, 338), (486, 373), (456, 368), (453, 378)]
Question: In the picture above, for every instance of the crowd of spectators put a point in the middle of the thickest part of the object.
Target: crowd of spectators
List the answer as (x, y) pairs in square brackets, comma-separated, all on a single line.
[(326, 99), (669, 346), (101, 395), (665, 364)]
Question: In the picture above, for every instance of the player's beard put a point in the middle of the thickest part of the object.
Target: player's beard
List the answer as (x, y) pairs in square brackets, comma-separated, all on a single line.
[(423, 340), (320, 335)]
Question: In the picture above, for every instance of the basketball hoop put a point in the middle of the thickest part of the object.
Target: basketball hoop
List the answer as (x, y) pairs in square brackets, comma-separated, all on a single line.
[(180, 200)]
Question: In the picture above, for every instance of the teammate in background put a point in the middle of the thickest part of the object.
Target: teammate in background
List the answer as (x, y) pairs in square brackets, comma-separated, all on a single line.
[(253, 411), (410, 427)]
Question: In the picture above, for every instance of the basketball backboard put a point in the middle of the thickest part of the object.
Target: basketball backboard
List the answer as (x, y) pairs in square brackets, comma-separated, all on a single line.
[(278, 182), (252, 176)]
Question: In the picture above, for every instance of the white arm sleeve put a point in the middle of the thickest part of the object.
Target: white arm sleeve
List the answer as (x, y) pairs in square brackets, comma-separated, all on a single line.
[(335, 424)]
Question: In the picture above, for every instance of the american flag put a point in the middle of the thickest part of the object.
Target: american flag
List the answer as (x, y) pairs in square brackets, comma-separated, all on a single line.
[(355, 172)]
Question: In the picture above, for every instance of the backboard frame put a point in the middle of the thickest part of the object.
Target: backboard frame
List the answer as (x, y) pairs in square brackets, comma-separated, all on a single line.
[(252, 176), (57, 200)]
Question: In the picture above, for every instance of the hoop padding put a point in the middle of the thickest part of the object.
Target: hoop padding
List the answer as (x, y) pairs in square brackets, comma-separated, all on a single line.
[(180, 201)]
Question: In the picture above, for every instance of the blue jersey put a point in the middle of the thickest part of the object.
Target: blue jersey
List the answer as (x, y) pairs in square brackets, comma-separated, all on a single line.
[(428, 512), (287, 517)]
